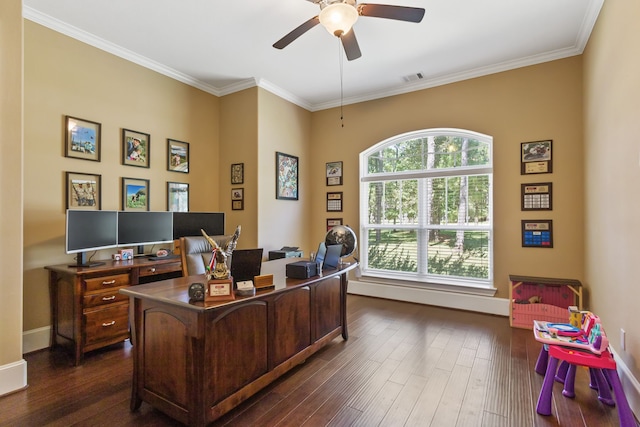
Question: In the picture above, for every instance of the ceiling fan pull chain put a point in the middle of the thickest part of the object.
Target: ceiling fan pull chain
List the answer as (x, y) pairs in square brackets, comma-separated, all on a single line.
[(341, 62)]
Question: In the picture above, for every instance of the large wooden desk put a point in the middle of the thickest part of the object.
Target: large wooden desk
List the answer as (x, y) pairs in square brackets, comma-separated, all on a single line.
[(197, 361), (87, 312)]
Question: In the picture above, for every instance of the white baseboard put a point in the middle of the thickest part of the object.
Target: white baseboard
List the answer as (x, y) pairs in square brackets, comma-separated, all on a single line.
[(36, 339), (630, 384), (13, 377), (462, 301)]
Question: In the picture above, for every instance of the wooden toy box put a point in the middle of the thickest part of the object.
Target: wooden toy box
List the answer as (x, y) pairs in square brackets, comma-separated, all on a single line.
[(554, 296)]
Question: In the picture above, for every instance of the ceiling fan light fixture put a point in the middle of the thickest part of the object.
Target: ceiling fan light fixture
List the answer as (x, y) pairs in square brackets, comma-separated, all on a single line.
[(338, 18)]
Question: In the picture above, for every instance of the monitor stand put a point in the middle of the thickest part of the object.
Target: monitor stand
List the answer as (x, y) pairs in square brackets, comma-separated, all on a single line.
[(82, 261)]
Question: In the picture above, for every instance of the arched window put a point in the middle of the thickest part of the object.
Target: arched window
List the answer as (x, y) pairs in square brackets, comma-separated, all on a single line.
[(426, 208)]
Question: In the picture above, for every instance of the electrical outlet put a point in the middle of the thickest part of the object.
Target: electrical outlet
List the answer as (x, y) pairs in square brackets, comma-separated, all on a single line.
[(623, 344)]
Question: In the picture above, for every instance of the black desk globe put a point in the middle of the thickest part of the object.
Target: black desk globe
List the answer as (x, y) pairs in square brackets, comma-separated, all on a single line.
[(342, 235)]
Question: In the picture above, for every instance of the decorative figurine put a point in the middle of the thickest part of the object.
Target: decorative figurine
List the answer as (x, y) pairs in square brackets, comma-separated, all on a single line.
[(217, 268)]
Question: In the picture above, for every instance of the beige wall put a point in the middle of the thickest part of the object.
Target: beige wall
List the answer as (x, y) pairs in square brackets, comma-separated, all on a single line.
[(612, 173), (11, 169), (238, 144), (66, 77), (527, 104), (286, 128)]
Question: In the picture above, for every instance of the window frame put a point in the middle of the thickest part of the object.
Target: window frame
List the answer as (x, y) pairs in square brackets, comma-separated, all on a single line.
[(424, 279)]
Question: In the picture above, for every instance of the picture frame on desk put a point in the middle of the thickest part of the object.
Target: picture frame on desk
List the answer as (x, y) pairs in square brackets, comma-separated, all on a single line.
[(82, 139), (135, 194), (83, 191)]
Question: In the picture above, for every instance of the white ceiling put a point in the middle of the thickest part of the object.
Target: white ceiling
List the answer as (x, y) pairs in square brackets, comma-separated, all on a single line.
[(225, 46)]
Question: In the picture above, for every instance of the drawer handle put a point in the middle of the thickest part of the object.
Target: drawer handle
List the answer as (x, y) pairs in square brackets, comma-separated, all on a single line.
[(113, 322), (111, 298), (110, 282), (152, 269)]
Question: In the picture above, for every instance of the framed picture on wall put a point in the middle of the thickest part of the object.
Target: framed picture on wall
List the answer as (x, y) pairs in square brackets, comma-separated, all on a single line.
[(237, 199), (536, 196), (332, 222), (177, 156), (535, 157), (135, 194), (334, 201), (537, 233), (237, 173), (82, 139), (136, 148), (334, 173), (286, 176), (177, 197), (83, 191)]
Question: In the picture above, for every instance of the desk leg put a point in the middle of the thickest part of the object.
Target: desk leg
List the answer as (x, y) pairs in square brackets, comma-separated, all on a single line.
[(343, 302), (134, 326)]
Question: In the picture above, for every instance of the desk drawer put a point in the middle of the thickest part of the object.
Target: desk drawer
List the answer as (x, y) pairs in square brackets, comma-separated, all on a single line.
[(152, 270), (106, 282), (105, 324), (96, 300)]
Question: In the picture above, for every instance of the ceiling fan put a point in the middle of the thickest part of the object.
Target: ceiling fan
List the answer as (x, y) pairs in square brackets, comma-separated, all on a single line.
[(338, 16)]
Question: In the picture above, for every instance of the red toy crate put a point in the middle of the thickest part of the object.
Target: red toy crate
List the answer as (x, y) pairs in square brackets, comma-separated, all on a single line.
[(554, 295)]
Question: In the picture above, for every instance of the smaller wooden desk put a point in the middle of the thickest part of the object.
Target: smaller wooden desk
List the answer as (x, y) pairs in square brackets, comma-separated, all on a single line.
[(87, 312)]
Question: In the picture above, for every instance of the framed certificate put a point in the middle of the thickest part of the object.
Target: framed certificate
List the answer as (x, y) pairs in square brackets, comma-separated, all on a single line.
[(535, 157), (536, 196), (537, 233)]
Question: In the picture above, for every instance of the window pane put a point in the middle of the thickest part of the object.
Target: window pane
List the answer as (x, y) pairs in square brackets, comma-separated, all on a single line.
[(393, 202), (394, 250), (459, 253), (462, 200)]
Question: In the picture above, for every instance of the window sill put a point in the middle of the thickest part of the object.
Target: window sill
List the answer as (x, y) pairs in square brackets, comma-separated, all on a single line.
[(448, 286)]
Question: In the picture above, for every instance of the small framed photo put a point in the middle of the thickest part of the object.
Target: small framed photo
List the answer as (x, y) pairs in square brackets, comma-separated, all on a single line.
[(332, 222), (177, 156), (237, 193), (286, 176), (537, 233), (136, 148), (535, 157), (536, 196), (237, 173), (334, 201), (237, 199), (177, 197), (334, 173), (82, 139), (83, 191), (135, 194)]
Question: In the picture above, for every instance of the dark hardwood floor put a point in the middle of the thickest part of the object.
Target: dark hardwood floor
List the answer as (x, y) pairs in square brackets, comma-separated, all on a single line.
[(403, 365)]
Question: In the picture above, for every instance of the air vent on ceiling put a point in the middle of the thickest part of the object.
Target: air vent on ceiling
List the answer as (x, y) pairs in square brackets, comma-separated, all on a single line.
[(413, 77)]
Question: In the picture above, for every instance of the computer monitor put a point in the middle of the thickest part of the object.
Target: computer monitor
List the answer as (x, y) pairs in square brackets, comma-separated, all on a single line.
[(245, 264), (88, 230), (190, 224), (144, 228), (332, 258)]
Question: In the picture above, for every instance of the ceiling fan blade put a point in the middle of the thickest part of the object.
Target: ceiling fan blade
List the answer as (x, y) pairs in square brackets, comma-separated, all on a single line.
[(350, 44), (401, 13), (297, 32)]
